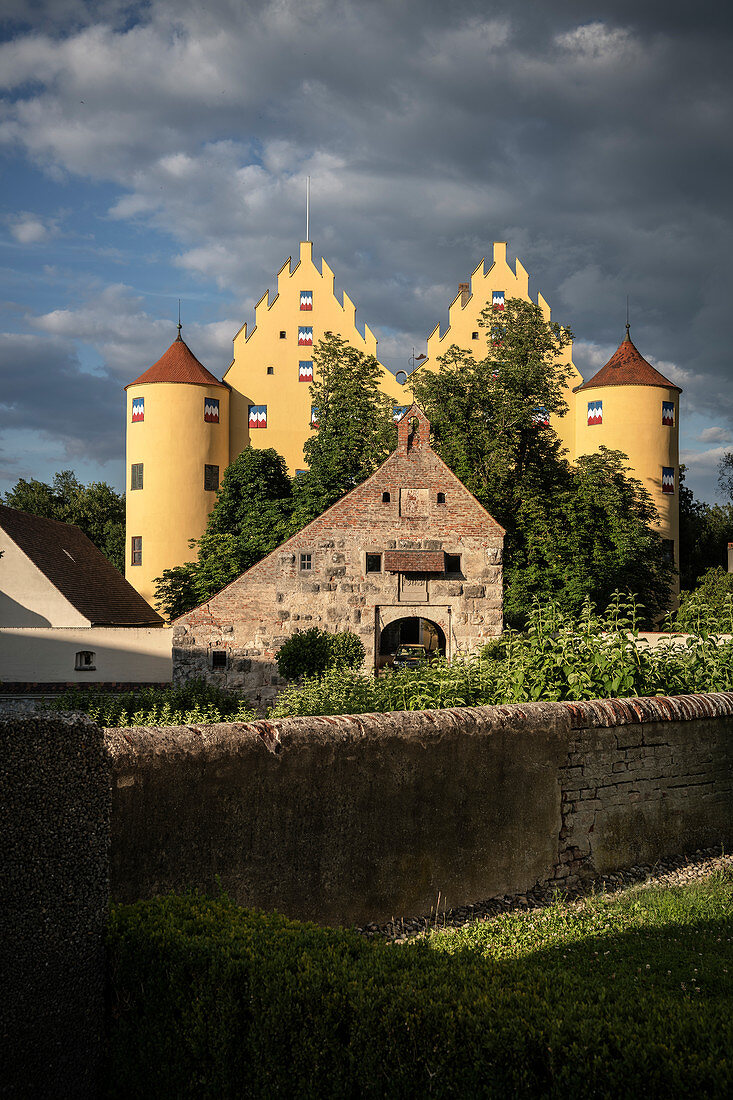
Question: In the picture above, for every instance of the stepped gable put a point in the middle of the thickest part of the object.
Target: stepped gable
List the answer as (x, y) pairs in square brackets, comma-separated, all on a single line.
[(179, 364), (80, 572), (627, 367)]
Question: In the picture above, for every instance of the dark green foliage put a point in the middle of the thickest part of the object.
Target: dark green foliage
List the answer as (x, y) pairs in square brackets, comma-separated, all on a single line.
[(558, 657), (705, 531), (252, 515), (573, 532), (193, 702), (96, 508), (619, 998), (311, 652), (709, 606), (355, 432)]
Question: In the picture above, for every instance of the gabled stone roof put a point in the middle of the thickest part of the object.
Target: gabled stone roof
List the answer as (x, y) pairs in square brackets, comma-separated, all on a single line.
[(179, 364), (627, 367), (80, 572)]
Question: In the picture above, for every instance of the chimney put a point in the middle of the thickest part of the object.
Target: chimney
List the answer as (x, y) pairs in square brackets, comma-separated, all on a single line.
[(463, 291)]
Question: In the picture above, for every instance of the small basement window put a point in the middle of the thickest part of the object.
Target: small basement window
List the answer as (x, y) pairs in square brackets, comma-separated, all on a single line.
[(441, 498), (452, 563), (219, 658), (374, 563), (136, 475), (386, 498), (85, 661), (211, 478), (306, 562)]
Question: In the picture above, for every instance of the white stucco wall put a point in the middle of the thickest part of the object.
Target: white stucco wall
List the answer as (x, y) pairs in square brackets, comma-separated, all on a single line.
[(138, 654), (27, 597)]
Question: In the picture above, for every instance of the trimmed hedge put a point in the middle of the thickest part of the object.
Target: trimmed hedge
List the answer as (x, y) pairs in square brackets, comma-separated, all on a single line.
[(210, 1000)]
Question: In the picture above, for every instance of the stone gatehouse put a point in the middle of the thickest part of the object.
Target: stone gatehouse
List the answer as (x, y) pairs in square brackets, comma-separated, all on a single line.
[(408, 556)]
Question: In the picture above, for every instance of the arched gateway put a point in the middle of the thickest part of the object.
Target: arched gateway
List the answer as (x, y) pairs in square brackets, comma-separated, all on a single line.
[(410, 630)]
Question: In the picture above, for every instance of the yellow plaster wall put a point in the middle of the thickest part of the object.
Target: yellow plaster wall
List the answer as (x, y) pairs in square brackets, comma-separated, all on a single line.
[(463, 323), (632, 423), (173, 442), (288, 400)]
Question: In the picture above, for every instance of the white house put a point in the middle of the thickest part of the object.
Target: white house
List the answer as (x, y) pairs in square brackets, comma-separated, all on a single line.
[(67, 616)]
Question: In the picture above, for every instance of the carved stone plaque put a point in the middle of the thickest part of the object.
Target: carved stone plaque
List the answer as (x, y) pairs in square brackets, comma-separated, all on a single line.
[(414, 502), (413, 588)]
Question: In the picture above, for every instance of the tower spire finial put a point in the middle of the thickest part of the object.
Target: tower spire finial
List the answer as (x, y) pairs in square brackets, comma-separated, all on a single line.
[(180, 326)]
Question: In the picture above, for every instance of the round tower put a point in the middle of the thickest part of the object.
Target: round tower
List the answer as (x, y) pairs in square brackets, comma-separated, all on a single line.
[(177, 452), (629, 406)]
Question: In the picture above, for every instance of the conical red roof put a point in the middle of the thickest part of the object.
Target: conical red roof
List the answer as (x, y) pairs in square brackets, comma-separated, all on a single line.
[(627, 367), (179, 364)]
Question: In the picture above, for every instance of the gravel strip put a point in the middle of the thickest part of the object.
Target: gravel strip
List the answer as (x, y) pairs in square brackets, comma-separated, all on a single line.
[(673, 871)]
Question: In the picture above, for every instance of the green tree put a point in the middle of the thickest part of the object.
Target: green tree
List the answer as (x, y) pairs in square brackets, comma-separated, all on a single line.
[(709, 605), (96, 508), (573, 532), (355, 429), (705, 531), (252, 515)]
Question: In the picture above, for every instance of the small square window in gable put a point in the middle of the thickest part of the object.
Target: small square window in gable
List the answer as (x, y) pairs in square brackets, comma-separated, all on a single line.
[(474, 335), (306, 563), (374, 563), (452, 563), (441, 498), (386, 498), (283, 334), (270, 370), (219, 659)]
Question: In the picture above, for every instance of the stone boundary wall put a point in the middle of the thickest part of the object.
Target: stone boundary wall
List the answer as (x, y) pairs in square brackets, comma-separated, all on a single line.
[(54, 889), (357, 819)]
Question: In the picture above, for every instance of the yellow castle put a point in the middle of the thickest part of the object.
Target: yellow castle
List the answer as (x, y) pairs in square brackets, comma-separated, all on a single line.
[(184, 426)]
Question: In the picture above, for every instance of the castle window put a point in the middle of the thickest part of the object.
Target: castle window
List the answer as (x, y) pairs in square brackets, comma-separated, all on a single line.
[(668, 414), (136, 550), (211, 410), (211, 478), (136, 475), (595, 413), (84, 661), (374, 563), (474, 335), (441, 498), (452, 563), (219, 659), (138, 409), (497, 299), (305, 337), (283, 334), (668, 479), (668, 547), (306, 300), (305, 370), (386, 498), (270, 370), (306, 563)]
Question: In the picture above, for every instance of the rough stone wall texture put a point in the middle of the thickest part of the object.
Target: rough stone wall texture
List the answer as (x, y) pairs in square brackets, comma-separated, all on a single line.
[(54, 823), (254, 615), (362, 818)]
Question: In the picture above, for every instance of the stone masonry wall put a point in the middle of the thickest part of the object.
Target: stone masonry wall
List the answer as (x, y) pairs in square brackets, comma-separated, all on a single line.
[(253, 616), (362, 818)]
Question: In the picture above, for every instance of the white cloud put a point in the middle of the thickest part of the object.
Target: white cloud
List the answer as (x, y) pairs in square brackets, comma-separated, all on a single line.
[(714, 435), (30, 229)]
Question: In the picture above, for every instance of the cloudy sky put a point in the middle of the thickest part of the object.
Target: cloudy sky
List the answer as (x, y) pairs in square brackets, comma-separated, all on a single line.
[(158, 150)]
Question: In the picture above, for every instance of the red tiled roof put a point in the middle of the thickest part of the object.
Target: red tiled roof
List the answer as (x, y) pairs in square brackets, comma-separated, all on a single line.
[(80, 572), (627, 367), (414, 561), (178, 364)]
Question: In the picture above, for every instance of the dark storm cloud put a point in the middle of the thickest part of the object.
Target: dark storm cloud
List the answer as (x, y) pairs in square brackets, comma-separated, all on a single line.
[(593, 137)]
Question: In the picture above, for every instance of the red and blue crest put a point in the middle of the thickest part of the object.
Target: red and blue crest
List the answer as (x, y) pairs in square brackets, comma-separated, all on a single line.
[(497, 299), (668, 479), (211, 410), (306, 299), (305, 370), (258, 416), (668, 413), (314, 416), (595, 413), (138, 409), (305, 337)]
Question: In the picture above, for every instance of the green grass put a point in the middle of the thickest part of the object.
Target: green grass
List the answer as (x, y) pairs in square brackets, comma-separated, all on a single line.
[(616, 997)]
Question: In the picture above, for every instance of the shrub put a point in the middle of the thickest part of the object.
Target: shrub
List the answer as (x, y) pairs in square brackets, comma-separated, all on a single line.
[(310, 652), (709, 606), (209, 1000), (195, 702)]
